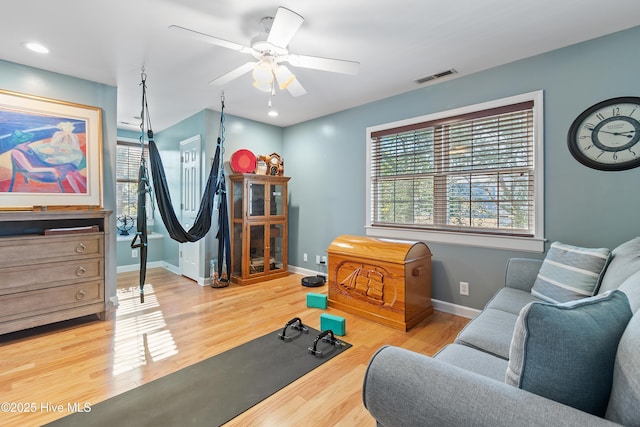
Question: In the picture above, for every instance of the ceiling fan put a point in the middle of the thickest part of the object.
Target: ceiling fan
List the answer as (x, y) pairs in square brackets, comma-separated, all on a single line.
[(270, 49)]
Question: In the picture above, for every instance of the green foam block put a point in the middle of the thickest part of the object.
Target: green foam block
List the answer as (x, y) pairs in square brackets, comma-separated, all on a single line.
[(336, 323), (316, 300)]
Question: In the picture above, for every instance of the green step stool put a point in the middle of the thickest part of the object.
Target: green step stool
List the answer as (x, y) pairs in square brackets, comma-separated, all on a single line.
[(316, 300), (336, 323)]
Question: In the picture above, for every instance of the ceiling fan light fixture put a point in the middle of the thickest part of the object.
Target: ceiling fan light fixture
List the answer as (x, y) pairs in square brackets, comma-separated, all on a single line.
[(263, 72), (284, 76), (263, 86)]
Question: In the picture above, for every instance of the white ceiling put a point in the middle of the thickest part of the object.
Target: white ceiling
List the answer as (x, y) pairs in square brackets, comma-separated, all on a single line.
[(396, 42)]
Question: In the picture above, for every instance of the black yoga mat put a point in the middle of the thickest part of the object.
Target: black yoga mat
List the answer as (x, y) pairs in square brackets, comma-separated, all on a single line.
[(213, 391)]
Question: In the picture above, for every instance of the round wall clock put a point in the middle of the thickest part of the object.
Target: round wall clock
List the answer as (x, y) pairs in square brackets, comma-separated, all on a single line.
[(606, 136)]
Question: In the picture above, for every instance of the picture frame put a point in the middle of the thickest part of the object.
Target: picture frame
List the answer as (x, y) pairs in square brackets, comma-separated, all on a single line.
[(50, 153)]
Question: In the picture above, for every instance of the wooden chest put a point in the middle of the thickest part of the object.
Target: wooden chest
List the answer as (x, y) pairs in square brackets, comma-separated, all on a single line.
[(387, 281)]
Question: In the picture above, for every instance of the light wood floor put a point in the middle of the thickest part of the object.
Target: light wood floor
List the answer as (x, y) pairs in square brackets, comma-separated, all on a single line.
[(45, 369)]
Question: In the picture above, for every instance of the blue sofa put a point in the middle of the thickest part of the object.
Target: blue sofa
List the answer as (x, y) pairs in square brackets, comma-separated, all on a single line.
[(467, 383)]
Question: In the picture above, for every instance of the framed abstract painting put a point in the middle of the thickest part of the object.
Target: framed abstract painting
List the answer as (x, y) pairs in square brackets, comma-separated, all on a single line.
[(50, 153)]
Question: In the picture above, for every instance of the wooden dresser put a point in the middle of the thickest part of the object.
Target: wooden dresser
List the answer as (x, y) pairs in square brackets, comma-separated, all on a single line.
[(387, 281), (52, 277)]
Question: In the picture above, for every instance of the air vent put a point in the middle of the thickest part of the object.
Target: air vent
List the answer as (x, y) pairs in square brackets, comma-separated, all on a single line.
[(436, 76)]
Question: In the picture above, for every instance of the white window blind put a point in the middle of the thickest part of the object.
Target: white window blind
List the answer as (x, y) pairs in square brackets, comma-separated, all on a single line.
[(467, 173), (127, 166)]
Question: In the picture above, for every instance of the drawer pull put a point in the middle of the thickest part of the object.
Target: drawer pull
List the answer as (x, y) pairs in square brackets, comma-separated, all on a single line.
[(81, 248), (81, 271), (80, 295)]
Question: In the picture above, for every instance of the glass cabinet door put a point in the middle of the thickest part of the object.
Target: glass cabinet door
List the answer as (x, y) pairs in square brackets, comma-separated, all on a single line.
[(236, 258), (256, 248), (276, 193), (256, 199), (276, 239), (237, 200)]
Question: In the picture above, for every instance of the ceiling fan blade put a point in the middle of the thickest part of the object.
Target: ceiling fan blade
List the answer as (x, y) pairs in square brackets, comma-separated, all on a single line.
[(296, 89), (285, 25), (231, 75), (210, 39), (325, 64)]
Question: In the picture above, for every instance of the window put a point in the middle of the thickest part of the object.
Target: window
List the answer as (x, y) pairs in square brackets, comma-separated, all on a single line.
[(127, 166), (471, 176)]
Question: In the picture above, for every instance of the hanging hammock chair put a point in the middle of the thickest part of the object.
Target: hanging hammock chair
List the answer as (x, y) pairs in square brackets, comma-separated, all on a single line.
[(214, 197)]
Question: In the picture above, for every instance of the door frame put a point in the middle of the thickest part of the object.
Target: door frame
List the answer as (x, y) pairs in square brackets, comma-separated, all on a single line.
[(195, 247)]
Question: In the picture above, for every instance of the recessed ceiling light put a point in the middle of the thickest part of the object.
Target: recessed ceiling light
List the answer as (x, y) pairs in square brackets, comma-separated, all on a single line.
[(36, 47), (272, 113)]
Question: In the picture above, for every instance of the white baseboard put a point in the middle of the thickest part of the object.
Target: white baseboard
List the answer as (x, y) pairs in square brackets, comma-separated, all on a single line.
[(172, 268), (114, 303), (304, 271), (458, 310)]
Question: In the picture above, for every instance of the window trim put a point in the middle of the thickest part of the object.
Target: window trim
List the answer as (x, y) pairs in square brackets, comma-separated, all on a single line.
[(150, 201), (533, 243)]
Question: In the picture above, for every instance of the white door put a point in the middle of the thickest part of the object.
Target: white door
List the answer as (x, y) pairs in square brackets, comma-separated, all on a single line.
[(190, 253)]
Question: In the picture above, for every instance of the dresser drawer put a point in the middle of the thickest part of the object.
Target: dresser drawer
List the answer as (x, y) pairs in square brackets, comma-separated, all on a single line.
[(30, 277), (35, 249), (32, 303)]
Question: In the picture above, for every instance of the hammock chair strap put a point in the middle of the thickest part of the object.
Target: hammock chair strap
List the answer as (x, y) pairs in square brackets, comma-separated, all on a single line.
[(223, 236), (144, 188), (140, 239)]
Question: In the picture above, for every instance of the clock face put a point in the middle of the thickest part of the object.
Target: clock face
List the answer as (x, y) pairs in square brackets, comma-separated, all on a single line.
[(606, 136)]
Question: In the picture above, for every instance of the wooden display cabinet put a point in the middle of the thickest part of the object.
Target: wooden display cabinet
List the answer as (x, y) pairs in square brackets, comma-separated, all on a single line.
[(259, 228)]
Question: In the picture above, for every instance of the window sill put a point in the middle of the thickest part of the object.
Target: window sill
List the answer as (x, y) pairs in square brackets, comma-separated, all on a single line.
[(129, 238), (525, 244)]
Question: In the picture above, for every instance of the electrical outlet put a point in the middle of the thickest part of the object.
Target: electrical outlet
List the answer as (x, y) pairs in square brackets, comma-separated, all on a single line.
[(464, 288), (305, 258), (323, 260), (134, 253), (317, 259)]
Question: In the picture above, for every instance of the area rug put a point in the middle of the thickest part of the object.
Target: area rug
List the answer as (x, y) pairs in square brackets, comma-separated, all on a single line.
[(213, 391)]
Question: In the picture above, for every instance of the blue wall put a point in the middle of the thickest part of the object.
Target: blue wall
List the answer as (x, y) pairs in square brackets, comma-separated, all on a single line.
[(20, 78), (326, 160)]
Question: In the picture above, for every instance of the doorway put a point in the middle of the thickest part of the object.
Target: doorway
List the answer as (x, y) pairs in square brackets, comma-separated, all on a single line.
[(191, 191)]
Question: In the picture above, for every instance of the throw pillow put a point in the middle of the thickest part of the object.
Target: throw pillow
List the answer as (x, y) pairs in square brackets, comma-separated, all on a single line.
[(566, 352), (625, 261), (570, 272)]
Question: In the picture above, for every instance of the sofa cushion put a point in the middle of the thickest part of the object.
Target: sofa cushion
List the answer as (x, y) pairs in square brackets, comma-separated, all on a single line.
[(489, 331), (570, 272), (624, 403), (473, 360), (631, 287), (566, 352), (510, 300), (625, 260)]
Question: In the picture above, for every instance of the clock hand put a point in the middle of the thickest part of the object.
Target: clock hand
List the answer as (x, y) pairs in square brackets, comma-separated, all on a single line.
[(619, 133)]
